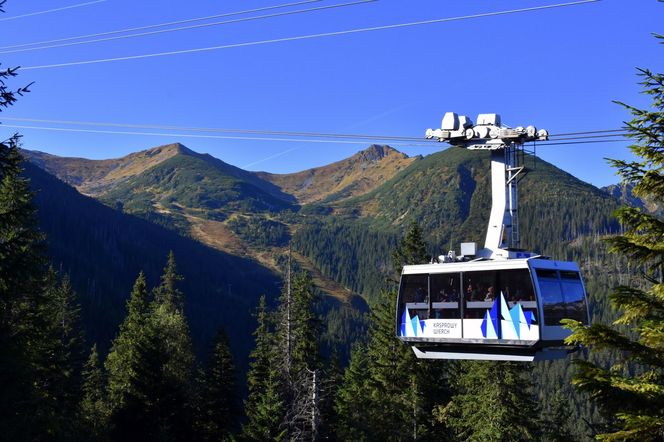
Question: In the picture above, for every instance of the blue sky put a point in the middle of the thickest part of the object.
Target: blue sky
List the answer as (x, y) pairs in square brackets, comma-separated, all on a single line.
[(558, 69)]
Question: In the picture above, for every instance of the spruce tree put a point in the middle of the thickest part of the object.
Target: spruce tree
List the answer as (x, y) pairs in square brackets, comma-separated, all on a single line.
[(60, 362), (264, 405), (630, 393), (93, 407), (411, 250), (151, 366), (219, 402), (121, 360), (167, 291), (399, 392), (297, 331), (352, 399), (493, 401), (22, 267)]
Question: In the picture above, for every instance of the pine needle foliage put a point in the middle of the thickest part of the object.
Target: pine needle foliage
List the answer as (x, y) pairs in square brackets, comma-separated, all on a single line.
[(493, 401), (411, 250), (219, 403), (93, 408), (631, 392), (264, 406)]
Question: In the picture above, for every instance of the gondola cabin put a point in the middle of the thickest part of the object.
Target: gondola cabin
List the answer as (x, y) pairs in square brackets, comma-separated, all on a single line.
[(490, 310), (500, 302)]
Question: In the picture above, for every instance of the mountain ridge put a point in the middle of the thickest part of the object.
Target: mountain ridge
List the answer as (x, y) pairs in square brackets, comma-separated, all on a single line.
[(352, 176)]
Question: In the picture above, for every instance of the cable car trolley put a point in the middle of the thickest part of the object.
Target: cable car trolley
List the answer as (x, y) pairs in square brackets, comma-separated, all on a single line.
[(499, 302)]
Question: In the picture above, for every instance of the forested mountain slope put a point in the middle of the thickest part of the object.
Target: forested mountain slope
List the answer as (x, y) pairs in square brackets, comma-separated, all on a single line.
[(104, 250), (345, 237), (624, 192), (449, 195)]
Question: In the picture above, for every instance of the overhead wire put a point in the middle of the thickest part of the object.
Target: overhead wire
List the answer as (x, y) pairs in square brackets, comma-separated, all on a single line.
[(563, 143), (588, 136), (618, 132), (213, 129), (588, 132), (159, 25), (308, 36), (281, 136), (185, 28), (48, 11), (609, 133), (188, 135)]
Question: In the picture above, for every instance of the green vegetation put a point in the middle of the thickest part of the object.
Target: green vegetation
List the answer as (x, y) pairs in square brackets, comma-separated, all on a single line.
[(260, 232), (630, 393), (198, 183), (493, 401), (143, 378), (387, 394)]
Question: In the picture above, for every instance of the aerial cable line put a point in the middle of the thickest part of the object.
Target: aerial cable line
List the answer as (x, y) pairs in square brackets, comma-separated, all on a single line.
[(185, 28), (160, 25), (588, 132), (417, 142), (309, 36), (285, 133), (563, 143), (215, 137), (623, 134), (48, 11), (217, 129)]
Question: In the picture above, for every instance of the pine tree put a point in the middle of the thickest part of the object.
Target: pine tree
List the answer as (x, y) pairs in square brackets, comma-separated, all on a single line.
[(400, 392), (157, 404), (60, 361), (264, 405), (631, 392), (400, 387), (218, 407), (557, 418), (351, 402), (493, 402), (151, 366), (297, 331), (330, 385), (121, 360), (411, 250), (22, 268), (93, 408), (167, 291)]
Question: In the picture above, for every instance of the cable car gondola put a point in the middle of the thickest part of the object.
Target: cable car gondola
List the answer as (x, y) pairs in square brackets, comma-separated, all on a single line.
[(498, 303)]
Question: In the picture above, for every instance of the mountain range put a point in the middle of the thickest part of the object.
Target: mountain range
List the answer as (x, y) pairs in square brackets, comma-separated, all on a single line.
[(230, 229)]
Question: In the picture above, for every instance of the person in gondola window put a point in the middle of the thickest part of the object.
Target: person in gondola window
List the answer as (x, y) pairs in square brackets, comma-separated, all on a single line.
[(420, 295), (489, 295)]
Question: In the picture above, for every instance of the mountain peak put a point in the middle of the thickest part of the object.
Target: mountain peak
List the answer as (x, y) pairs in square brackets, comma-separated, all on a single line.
[(343, 179), (166, 149), (377, 152)]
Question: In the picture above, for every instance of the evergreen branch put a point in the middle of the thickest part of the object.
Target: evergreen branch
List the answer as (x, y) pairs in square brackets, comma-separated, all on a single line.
[(603, 337), (637, 250), (637, 305)]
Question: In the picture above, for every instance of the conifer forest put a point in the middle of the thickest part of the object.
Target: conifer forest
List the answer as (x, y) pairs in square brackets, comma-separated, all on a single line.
[(170, 296)]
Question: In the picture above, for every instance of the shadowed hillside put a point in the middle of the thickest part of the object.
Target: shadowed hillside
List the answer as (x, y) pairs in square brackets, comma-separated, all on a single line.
[(104, 250)]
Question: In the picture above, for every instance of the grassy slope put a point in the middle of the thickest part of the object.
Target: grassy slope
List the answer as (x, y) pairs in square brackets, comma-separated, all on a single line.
[(193, 181), (350, 177), (94, 177)]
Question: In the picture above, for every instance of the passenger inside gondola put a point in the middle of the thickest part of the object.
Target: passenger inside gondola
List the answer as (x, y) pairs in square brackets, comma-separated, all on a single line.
[(445, 296), (415, 295)]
